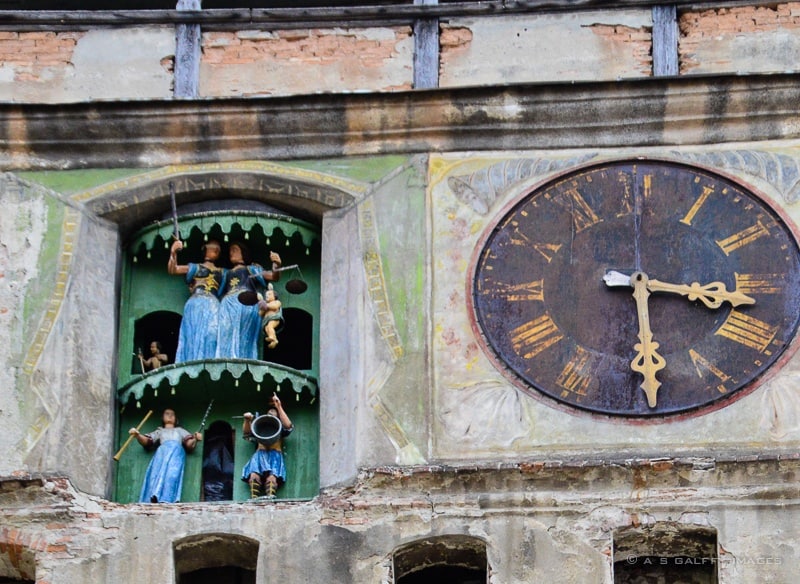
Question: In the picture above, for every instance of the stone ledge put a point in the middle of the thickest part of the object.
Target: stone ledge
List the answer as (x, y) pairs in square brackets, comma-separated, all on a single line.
[(638, 113)]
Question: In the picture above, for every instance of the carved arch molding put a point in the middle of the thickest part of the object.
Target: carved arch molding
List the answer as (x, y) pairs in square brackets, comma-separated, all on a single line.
[(137, 200)]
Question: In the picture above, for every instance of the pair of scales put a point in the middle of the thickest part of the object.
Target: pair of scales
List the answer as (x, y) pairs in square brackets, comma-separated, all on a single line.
[(297, 285)]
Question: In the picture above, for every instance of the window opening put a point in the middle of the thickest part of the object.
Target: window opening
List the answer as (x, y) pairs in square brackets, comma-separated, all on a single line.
[(293, 348), (218, 462), (215, 559), (666, 553), (160, 327), (455, 559)]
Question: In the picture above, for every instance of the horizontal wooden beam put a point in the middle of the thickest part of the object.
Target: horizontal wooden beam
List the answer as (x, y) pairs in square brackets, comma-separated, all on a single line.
[(374, 15)]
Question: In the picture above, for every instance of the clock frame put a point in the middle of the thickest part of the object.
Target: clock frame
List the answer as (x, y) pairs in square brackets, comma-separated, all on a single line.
[(548, 319)]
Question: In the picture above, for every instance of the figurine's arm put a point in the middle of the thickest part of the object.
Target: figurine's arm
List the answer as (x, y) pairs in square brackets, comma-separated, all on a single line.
[(142, 439), (275, 274), (190, 441), (172, 264), (276, 401), (246, 425)]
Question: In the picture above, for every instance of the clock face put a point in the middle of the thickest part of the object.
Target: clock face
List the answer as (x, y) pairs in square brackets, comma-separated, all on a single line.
[(637, 288)]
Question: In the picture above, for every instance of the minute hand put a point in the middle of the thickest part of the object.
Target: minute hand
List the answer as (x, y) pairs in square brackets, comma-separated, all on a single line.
[(712, 295)]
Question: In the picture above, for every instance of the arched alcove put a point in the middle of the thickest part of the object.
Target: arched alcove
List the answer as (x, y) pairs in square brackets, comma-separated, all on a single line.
[(218, 462), (17, 563), (215, 558), (666, 552), (294, 348), (456, 559), (160, 326)]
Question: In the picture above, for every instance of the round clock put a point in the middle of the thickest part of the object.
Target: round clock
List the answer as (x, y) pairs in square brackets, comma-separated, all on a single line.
[(637, 288)]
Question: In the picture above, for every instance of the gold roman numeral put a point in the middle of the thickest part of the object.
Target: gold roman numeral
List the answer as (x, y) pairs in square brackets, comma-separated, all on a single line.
[(535, 336), (583, 216), (547, 250), (742, 238), (525, 291), (687, 219), (704, 366), (748, 331), (576, 376), (750, 284)]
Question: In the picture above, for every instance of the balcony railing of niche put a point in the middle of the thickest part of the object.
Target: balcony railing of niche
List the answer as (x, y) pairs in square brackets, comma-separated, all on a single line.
[(223, 380)]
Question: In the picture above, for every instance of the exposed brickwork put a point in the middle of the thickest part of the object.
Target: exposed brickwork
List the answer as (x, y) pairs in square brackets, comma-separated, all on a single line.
[(697, 28), (34, 54), (637, 41), (454, 38), (317, 46)]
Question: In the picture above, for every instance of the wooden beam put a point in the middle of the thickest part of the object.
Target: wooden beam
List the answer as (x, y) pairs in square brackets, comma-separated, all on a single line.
[(188, 51), (665, 40), (426, 50), (286, 18)]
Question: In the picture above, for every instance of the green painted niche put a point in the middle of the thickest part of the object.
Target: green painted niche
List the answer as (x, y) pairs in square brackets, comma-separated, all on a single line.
[(151, 305)]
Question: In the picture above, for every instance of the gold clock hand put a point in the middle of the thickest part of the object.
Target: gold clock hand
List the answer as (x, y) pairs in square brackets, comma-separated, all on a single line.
[(712, 295), (647, 361)]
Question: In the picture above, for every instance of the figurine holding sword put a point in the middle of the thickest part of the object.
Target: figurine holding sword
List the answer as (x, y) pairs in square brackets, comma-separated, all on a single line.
[(164, 477)]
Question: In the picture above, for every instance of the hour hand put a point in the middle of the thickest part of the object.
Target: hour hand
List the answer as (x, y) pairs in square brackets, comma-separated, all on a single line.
[(647, 361), (712, 295)]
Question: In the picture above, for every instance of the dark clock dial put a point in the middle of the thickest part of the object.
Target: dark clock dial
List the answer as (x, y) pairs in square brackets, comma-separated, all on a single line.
[(637, 288)]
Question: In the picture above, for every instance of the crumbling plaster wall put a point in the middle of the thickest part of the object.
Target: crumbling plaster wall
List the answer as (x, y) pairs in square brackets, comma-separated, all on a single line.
[(537, 521), (545, 47), (63, 67), (754, 39), (136, 62), (58, 294), (286, 62)]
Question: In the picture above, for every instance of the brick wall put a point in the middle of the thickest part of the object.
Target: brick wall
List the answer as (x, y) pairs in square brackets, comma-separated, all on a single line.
[(743, 39), (306, 61), (33, 56)]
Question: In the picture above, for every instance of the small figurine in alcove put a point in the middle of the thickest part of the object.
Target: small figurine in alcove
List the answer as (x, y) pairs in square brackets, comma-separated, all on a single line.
[(157, 357), (198, 333), (163, 480), (265, 472), (271, 313)]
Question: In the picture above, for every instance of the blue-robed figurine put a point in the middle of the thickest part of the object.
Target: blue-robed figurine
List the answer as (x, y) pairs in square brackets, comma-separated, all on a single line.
[(163, 480), (197, 338), (265, 472), (239, 328)]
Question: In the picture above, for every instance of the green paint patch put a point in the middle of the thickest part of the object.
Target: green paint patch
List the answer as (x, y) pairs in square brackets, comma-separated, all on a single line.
[(362, 169), (40, 290), (73, 181)]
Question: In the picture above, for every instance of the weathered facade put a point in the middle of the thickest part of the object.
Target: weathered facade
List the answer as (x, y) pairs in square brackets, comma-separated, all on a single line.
[(376, 148)]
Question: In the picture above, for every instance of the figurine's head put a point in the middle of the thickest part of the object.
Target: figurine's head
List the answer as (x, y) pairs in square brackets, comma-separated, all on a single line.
[(271, 295), (211, 250), (168, 418), (239, 253)]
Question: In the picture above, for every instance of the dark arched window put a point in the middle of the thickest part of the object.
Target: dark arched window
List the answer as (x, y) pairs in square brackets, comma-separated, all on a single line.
[(455, 559), (160, 327), (215, 558), (665, 552)]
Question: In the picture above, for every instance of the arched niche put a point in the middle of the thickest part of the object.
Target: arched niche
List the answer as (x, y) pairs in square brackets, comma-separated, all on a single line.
[(17, 563), (456, 559), (268, 211), (159, 326), (217, 558), (666, 552)]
